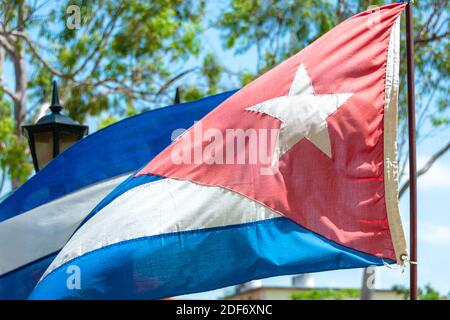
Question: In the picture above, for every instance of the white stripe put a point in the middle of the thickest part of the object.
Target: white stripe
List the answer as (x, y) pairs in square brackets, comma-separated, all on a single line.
[(44, 230), (163, 206)]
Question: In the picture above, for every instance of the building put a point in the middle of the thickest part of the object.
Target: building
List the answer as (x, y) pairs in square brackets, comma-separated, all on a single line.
[(285, 293), (301, 284)]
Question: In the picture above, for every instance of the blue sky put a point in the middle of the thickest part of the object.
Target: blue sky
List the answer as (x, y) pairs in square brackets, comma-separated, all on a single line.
[(433, 212), (433, 207), (434, 237)]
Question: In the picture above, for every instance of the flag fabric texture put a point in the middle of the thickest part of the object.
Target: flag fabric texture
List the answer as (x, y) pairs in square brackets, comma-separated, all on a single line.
[(294, 173), (38, 218)]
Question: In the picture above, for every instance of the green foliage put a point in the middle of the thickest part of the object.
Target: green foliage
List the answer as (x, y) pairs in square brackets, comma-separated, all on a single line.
[(327, 294), (247, 77), (432, 67), (103, 122), (128, 56), (212, 72), (123, 53), (191, 93), (429, 293), (401, 290), (13, 156), (279, 29), (119, 62), (426, 293)]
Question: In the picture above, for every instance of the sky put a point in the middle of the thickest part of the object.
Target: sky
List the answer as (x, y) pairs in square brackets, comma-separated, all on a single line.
[(433, 237), (433, 214), (433, 210)]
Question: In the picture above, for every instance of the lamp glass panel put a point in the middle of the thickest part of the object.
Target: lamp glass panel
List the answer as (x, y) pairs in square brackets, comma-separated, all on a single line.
[(66, 139), (43, 144)]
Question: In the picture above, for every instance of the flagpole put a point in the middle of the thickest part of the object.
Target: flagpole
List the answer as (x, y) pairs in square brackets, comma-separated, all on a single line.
[(412, 151)]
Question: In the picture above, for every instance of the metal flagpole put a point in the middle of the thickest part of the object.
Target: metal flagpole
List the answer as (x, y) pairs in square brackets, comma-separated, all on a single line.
[(412, 151)]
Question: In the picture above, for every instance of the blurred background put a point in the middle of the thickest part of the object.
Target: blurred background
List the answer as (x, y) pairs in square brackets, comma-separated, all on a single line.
[(114, 59)]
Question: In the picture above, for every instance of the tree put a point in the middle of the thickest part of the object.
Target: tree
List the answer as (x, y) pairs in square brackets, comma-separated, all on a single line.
[(11, 146), (327, 294), (279, 29), (426, 293), (112, 58)]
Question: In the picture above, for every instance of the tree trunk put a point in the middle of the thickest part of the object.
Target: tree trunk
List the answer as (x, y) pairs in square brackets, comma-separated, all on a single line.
[(368, 283), (21, 86), (20, 73)]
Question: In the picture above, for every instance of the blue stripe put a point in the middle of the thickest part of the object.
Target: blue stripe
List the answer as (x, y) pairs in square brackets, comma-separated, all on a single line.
[(193, 261), (19, 283), (120, 148), (124, 147)]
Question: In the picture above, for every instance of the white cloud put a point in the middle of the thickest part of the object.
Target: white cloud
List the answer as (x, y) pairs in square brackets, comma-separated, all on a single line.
[(435, 234), (437, 177)]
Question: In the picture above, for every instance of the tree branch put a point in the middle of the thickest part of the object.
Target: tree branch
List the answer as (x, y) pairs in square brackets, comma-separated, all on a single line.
[(6, 45), (172, 80), (9, 92), (433, 37), (2, 181), (39, 57), (2, 86), (426, 167), (105, 35)]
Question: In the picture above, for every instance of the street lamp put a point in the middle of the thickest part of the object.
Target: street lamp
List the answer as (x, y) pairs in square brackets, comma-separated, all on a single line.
[(177, 99), (52, 134)]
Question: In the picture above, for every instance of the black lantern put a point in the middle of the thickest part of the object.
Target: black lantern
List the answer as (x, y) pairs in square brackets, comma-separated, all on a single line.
[(52, 134)]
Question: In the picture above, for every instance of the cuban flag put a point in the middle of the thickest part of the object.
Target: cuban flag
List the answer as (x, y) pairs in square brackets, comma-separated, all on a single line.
[(294, 173), (39, 218)]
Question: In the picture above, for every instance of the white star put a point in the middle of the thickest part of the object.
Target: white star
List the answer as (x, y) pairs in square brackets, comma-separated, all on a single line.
[(302, 114)]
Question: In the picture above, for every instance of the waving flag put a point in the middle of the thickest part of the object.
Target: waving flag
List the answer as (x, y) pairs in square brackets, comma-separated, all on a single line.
[(294, 173), (37, 219)]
